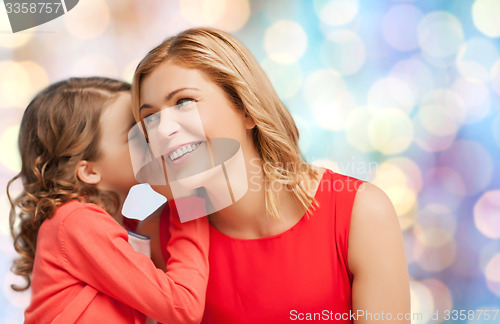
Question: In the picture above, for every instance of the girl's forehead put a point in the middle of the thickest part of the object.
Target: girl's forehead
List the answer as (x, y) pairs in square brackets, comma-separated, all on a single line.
[(119, 110)]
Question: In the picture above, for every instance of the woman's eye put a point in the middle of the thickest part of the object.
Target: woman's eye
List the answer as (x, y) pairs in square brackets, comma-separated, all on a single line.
[(184, 102), (151, 119)]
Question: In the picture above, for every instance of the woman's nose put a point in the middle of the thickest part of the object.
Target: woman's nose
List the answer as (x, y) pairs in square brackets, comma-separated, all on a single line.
[(169, 125)]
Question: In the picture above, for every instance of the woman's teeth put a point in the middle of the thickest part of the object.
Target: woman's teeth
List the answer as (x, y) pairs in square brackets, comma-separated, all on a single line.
[(182, 151)]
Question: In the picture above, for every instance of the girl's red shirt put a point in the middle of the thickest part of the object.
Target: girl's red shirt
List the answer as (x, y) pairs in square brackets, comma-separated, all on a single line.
[(85, 271)]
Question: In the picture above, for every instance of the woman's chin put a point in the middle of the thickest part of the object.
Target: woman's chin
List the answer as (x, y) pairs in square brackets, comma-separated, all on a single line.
[(163, 190)]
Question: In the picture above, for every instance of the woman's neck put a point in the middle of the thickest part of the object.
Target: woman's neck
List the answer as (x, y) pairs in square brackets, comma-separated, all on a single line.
[(248, 217)]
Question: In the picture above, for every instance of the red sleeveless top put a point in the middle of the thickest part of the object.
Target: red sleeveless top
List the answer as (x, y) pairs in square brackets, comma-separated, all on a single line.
[(300, 274)]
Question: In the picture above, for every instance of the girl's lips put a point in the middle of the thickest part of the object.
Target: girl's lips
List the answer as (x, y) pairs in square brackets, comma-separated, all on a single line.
[(180, 153)]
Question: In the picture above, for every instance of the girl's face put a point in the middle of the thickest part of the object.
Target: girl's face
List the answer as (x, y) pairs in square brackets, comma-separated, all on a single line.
[(182, 110), (114, 164)]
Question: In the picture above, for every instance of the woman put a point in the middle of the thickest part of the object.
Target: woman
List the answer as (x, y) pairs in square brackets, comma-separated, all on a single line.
[(303, 242)]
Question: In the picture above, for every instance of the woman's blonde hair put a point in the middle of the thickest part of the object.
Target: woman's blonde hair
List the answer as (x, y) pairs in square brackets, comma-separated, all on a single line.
[(234, 69), (59, 128)]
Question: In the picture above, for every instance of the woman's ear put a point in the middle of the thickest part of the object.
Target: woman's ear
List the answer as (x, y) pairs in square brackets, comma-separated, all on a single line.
[(86, 172), (249, 122)]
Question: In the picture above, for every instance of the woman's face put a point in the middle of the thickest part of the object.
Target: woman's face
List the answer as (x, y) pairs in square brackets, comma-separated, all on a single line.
[(183, 110)]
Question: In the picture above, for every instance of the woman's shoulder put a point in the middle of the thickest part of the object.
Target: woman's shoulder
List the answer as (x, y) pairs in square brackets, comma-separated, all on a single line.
[(367, 197), (331, 181), (341, 177), (373, 216), (376, 248), (371, 199)]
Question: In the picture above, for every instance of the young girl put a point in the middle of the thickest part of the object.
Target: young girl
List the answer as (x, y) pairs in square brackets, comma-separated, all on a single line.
[(76, 172), (303, 243)]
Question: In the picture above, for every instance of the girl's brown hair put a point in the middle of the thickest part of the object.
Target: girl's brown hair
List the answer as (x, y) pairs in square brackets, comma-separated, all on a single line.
[(234, 69), (59, 128)]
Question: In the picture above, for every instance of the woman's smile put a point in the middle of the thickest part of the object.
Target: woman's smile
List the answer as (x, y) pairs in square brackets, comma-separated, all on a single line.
[(182, 152)]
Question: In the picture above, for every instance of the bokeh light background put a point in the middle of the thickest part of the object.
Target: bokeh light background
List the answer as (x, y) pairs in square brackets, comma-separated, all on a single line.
[(404, 94)]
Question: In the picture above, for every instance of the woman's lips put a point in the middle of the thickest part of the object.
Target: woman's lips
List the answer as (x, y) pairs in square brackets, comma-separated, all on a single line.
[(182, 152)]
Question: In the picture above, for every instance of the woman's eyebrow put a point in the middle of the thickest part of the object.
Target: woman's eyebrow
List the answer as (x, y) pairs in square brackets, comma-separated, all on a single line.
[(173, 93), (168, 97), (144, 106)]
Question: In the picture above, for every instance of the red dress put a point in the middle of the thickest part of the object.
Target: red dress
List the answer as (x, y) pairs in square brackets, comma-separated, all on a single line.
[(300, 274)]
